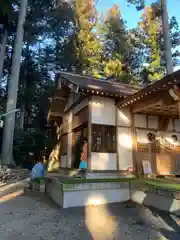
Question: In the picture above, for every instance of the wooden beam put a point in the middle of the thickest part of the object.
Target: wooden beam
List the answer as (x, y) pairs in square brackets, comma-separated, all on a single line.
[(144, 106), (55, 114), (162, 85), (60, 98), (81, 118), (58, 106), (57, 119), (62, 92)]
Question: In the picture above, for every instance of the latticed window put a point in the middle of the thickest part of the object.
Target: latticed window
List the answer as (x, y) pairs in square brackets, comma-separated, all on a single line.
[(142, 147), (103, 138), (155, 147)]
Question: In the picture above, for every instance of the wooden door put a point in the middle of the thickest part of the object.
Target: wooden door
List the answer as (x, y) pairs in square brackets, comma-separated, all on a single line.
[(77, 142)]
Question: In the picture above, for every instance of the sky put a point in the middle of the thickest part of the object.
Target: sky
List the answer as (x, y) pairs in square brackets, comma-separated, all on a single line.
[(131, 15)]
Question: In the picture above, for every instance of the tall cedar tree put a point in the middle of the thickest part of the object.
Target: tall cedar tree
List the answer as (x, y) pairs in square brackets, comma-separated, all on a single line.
[(88, 47), (116, 45), (151, 26), (155, 10)]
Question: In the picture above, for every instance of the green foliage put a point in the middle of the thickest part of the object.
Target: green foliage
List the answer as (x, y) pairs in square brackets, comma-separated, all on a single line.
[(98, 180), (117, 46), (88, 47), (140, 4), (27, 143), (5, 11), (76, 40), (152, 40), (35, 82)]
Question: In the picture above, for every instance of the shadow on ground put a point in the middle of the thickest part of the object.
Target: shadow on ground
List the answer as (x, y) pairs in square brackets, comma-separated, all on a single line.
[(32, 215), (170, 220)]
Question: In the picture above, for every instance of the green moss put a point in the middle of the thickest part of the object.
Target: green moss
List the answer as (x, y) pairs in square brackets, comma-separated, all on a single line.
[(74, 181), (162, 183)]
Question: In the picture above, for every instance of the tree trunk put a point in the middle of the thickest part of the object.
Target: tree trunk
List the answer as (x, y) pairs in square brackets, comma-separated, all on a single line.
[(23, 102), (8, 132), (3, 51), (22, 116), (167, 40)]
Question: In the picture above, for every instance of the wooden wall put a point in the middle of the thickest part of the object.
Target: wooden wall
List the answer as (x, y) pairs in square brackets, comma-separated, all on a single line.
[(164, 159), (72, 121), (103, 112), (124, 139)]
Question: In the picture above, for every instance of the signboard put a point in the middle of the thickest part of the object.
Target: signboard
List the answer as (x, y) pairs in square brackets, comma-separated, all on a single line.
[(146, 167), (164, 164)]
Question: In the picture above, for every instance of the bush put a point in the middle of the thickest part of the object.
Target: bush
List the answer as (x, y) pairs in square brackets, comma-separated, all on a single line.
[(28, 146)]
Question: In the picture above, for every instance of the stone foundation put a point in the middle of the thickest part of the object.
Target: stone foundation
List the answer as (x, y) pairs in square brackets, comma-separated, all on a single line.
[(85, 194), (163, 199), (65, 172), (97, 193)]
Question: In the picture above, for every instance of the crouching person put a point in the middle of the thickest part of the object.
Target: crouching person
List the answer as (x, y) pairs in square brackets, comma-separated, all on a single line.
[(38, 173)]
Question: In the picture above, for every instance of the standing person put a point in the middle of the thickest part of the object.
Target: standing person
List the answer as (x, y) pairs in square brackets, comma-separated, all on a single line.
[(38, 172), (83, 162)]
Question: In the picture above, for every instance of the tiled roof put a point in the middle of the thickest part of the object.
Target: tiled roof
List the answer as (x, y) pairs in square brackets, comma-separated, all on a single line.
[(109, 86), (162, 85)]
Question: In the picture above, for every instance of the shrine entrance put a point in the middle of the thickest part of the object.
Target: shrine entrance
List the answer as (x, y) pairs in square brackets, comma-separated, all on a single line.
[(77, 142)]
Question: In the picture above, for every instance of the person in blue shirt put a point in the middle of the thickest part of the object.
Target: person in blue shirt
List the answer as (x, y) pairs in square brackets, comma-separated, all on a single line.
[(37, 173)]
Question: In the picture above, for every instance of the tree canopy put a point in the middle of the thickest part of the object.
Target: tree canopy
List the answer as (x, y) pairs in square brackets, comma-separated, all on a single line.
[(78, 39)]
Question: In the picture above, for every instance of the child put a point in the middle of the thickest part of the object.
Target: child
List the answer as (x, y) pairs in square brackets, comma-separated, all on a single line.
[(83, 163), (38, 172)]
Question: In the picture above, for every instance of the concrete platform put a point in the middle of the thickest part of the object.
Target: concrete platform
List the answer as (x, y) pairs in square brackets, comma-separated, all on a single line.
[(85, 194), (160, 198), (69, 173)]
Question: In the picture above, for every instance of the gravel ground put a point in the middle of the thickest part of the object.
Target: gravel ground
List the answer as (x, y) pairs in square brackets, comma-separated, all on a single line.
[(31, 216)]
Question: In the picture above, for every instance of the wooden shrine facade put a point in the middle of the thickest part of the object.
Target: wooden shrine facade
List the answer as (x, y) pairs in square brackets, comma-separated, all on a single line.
[(160, 103), (118, 120)]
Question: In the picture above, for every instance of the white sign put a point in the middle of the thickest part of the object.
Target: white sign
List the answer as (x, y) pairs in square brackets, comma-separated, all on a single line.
[(147, 167)]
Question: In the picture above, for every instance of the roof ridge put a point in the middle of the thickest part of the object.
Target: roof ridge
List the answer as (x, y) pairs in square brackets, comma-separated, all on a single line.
[(85, 76), (101, 80)]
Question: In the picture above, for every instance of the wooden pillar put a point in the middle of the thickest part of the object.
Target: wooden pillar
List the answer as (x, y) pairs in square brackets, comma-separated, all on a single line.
[(150, 153), (89, 132), (69, 139), (134, 141), (117, 151), (179, 108)]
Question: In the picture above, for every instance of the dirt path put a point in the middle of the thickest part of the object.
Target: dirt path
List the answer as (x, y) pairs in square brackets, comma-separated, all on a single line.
[(31, 216)]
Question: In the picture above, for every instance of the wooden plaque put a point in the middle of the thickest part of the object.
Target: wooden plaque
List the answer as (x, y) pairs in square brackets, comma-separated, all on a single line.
[(164, 164)]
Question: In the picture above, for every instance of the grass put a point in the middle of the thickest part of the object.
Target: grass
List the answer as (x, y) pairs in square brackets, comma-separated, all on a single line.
[(74, 181), (159, 183), (162, 183)]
